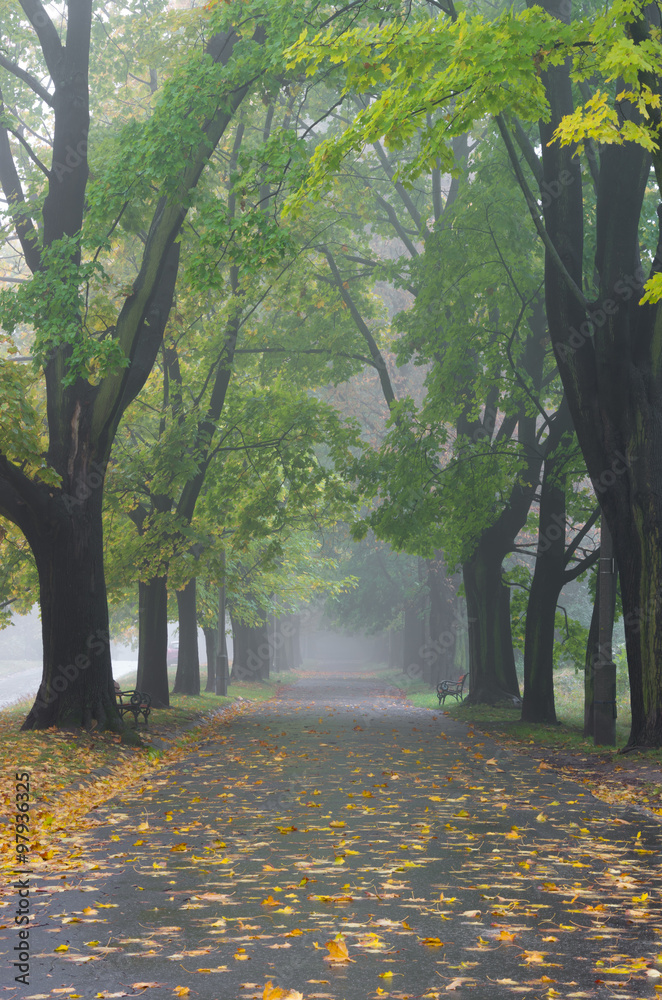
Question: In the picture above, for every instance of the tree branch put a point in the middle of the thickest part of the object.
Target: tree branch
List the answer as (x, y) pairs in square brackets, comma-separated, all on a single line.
[(51, 46), (531, 202), (375, 353), (28, 78), (13, 191)]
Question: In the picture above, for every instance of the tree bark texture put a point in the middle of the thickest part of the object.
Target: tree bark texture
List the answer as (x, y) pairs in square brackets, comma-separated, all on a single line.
[(187, 679), (153, 641)]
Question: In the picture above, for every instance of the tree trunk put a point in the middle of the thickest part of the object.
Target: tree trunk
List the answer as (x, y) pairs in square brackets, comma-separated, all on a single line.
[(153, 641), (77, 685), (609, 356), (546, 584), (295, 642), (395, 648), (252, 651), (211, 646), (444, 621), (240, 671), (259, 650), (592, 654), (413, 641), (187, 679), (492, 661), (222, 665), (538, 698), (285, 642)]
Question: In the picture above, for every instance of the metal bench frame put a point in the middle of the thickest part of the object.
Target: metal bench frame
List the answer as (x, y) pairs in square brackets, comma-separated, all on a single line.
[(453, 688), (138, 703)]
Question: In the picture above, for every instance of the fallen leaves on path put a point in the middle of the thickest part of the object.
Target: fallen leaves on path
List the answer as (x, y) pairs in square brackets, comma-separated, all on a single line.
[(446, 872)]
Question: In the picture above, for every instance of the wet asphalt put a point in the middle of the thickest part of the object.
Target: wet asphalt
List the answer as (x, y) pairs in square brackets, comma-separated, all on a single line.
[(433, 861)]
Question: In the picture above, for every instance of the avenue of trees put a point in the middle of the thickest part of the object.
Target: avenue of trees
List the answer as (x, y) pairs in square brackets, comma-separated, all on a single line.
[(354, 301)]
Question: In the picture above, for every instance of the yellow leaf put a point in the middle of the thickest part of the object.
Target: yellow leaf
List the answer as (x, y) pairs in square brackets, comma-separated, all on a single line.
[(272, 992), (338, 950), (506, 936), (432, 942), (386, 975), (181, 991), (339, 860), (337, 823), (270, 901), (62, 947), (179, 847)]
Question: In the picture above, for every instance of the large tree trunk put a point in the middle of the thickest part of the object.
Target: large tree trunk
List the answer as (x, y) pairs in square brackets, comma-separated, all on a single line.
[(538, 698), (252, 651), (187, 679), (285, 642), (153, 640), (493, 674), (260, 650), (444, 620), (548, 579), (609, 355), (77, 685), (211, 647), (413, 644)]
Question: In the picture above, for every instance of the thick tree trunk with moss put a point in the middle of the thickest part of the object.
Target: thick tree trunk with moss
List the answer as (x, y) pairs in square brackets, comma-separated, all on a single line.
[(187, 679), (153, 640)]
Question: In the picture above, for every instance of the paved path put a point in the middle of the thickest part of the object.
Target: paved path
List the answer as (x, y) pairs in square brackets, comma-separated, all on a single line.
[(449, 866)]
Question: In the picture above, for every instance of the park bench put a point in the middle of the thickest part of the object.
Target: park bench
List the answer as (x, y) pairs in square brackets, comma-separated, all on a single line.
[(136, 702), (454, 688)]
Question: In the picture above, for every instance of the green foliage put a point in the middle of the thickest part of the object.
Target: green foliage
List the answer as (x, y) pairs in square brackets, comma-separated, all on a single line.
[(54, 303)]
